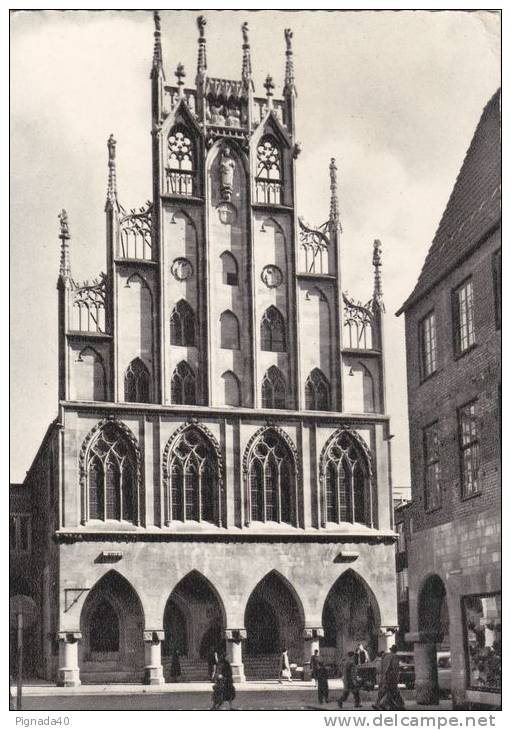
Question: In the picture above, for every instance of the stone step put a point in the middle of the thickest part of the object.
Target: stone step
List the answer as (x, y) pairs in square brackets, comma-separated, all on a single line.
[(111, 677), (192, 670), (262, 667)]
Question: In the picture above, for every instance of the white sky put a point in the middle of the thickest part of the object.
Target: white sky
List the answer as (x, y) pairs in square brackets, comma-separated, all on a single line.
[(394, 96)]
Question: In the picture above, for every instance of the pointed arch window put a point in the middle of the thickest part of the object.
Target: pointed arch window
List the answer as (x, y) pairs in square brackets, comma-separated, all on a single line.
[(346, 482), (273, 338), (182, 325), (137, 382), (317, 392), (183, 385), (273, 390), (229, 269), (229, 331), (268, 180), (271, 477), (232, 396), (181, 162), (111, 477), (194, 484)]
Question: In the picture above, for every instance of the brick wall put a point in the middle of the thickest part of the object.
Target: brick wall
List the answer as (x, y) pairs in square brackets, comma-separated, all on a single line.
[(457, 380)]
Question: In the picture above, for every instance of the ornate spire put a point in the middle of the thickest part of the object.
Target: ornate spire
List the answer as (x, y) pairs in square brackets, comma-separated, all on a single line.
[(180, 75), (377, 263), (157, 54), (246, 63), (335, 220), (269, 86), (64, 235), (289, 81), (202, 63), (111, 194)]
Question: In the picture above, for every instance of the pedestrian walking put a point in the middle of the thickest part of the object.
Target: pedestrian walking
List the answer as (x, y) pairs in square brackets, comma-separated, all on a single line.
[(218, 692), (285, 668), (389, 697), (223, 688), (379, 680), (229, 689), (175, 666), (212, 663), (315, 662), (362, 655), (351, 681), (322, 677)]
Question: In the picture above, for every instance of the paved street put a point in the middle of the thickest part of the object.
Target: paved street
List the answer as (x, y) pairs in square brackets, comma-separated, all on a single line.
[(274, 699)]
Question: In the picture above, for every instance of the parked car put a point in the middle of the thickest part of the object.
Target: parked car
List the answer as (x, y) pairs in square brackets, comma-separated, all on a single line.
[(443, 659), (407, 669), (368, 672), (369, 680)]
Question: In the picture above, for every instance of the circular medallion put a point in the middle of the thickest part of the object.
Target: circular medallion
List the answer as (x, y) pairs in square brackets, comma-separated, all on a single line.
[(272, 276), (181, 269)]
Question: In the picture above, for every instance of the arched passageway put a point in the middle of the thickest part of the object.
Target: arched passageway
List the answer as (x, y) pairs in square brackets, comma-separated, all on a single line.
[(112, 626), (18, 586), (350, 616), (433, 635), (194, 623), (433, 611), (273, 621)]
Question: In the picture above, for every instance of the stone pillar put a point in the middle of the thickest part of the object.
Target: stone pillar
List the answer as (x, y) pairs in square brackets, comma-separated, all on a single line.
[(426, 672), (68, 671), (234, 637), (153, 670), (386, 637), (311, 637)]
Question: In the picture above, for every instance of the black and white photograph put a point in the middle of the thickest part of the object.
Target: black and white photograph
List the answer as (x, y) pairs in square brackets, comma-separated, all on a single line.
[(255, 363)]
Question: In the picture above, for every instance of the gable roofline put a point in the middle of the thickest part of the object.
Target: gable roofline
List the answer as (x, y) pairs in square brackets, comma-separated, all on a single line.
[(473, 206)]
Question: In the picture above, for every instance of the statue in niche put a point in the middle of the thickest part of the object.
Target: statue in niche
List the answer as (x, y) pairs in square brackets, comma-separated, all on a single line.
[(234, 116), (217, 114), (227, 166)]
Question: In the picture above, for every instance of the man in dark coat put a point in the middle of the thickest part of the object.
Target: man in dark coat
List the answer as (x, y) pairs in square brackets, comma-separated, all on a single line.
[(315, 662), (389, 696), (322, 677), (350, 681)]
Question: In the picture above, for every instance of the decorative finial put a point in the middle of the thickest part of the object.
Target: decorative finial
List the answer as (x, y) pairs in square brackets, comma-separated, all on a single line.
[(112, 173), (202, 63), (157, 54), (64, 235), (289, 81), (334, 201), (269, 86), (180, 75), (377, 263), (246, 63)]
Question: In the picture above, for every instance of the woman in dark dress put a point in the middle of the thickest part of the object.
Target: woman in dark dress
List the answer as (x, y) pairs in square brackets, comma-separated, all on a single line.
[(229, 689), (223, 689)]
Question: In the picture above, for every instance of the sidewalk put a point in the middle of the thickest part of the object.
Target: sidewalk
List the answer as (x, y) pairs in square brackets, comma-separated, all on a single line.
[(47, 689)]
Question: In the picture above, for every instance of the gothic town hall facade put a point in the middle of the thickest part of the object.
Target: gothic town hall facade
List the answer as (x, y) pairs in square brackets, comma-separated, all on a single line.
[(218, 475)]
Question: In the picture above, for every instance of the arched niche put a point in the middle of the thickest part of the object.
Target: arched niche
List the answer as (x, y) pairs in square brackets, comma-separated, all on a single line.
[(112, 626), (193, 621), (350, 616), (89, 376), (274, 620)]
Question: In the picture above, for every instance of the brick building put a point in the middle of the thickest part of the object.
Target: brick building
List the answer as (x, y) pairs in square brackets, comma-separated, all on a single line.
[(219, 469), (453, 358)]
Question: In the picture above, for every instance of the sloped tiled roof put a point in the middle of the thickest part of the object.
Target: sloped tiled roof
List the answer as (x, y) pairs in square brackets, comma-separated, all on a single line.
[(473, 207)]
